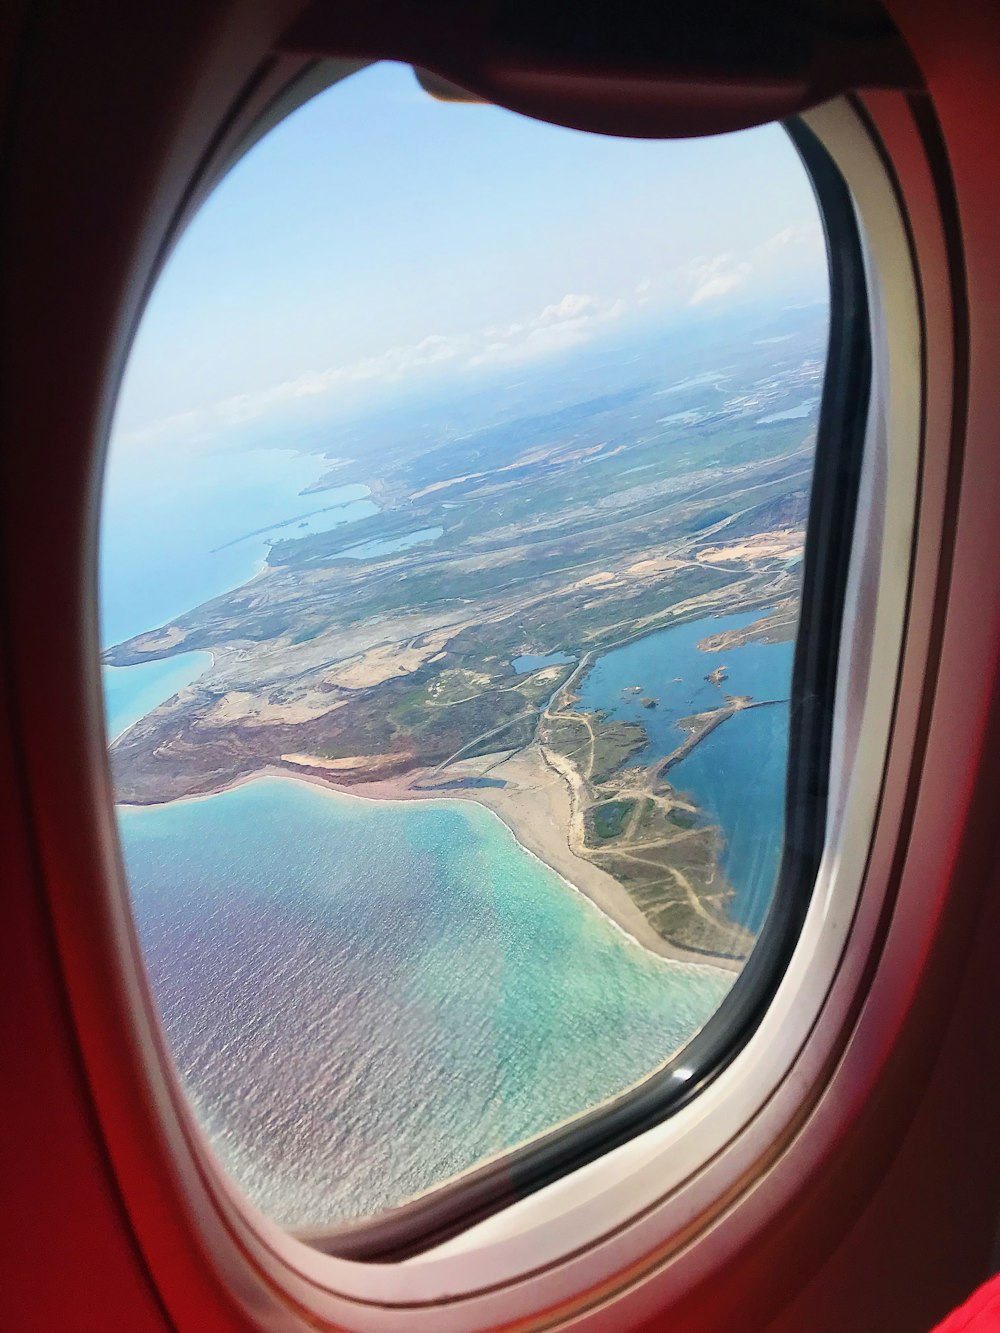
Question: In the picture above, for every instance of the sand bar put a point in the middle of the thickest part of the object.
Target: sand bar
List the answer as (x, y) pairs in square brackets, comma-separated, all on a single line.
[(534, 803)]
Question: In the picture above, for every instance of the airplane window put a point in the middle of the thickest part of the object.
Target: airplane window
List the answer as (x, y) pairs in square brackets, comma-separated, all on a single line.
[(451, 566)]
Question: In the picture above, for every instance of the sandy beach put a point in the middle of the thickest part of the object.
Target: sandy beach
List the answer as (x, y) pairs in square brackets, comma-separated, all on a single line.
[(534, 803)]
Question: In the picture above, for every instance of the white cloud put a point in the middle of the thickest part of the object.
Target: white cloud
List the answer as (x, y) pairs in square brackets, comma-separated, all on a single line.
[(570, 307), (708, 279), (566, 323), (642, 288), (212, 418), (801, 234)]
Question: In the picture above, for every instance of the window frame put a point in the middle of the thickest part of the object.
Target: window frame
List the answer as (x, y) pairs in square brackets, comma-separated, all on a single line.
[(677, 1177), (139, 1095)]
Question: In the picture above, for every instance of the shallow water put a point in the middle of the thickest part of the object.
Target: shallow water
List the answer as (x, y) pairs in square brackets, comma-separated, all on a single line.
[(179, 529), (790, 413), (132, 692), (533, 661), (389, 545), (364, 998)]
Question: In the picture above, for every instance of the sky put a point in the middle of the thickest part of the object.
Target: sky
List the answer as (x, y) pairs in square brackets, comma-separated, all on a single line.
[(378, 239)]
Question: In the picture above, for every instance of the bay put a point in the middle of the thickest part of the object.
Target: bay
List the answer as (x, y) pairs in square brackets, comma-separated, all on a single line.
[(181, 527), (364, 998), (736, 775), (132, 692)]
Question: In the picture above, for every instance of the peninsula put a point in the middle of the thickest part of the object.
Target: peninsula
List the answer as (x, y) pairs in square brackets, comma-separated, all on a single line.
[(438, 647)]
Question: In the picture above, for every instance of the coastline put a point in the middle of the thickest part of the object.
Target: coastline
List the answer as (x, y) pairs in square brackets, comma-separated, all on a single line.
[(534, 804), (105, 666)]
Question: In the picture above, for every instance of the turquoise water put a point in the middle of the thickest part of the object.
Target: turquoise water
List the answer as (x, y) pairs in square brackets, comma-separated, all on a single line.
[(364, 998), (182, 526), (132, 692), (737, 774), (367, 550), (361, 998), (532, 661)]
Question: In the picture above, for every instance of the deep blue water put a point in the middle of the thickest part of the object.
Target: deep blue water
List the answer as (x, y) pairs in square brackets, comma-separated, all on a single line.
[(737, 774), (363, 998), (737, 778)]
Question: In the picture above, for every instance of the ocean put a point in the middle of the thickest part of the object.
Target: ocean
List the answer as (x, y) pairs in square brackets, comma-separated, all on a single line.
[(179, 527), (364, 998), (132, 692)]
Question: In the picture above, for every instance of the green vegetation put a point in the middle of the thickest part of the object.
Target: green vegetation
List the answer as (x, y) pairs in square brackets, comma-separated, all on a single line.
[(615, 743), (608, 819), (308, 634), (575, 518)]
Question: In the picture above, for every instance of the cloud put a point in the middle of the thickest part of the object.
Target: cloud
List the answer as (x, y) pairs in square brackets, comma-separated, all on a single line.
[(809, 234), (642, 288), (562, 324), (711, 278), (566, 323), (210, 419), (708, 279)]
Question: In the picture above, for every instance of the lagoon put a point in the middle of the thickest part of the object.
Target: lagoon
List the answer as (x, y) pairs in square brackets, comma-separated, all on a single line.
[(736, 776), (790, 413), (534, 661), (389, 545)]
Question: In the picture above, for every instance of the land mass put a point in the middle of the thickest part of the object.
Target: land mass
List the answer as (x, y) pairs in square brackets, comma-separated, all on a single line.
[(576, 530)]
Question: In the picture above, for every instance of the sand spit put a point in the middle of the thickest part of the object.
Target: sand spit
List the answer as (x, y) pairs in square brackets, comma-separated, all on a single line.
[(534, 803)]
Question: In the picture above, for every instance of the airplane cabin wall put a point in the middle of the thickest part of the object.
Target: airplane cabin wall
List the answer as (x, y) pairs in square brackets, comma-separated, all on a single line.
[(110, 107)]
